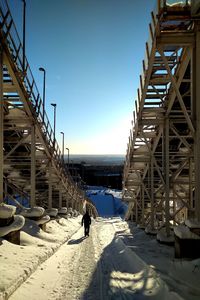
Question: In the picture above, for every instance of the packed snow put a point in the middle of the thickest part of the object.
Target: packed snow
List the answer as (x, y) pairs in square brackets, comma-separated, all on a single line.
[(117, 261), (107, 201)]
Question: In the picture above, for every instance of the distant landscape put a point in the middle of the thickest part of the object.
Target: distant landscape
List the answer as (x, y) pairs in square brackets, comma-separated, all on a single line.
[(96, 159)]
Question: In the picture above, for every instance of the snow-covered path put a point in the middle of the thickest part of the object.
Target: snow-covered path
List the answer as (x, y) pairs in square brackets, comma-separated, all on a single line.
[(64, 275), (67, 273), (98, 267)]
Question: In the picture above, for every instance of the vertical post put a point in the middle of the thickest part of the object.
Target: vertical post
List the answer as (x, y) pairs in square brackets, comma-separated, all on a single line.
[(24, 34), (174, 206), (6, 191), (190, 183), (50, 187), (142, 196), (196, 99), (67, 202), (63, 142), (167, 176), (54, 123), (33, 162), (1, 125), (152, 193), (44, 90), (158, 6), (67, 157), (136, 211), (60, 199)]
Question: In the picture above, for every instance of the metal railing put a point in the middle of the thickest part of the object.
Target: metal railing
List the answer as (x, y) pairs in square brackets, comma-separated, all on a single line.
[(12, 45), (12, 41)]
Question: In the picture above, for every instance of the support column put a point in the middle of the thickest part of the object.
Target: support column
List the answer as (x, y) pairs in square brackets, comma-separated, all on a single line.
[(152, 193), (72, 203), (1, 125), (196, 99), (60, 199), (142, 196), (190, 183), (166, 134), (67, 202), (33, 162), (50, 187), (136, 211), (174, 207)]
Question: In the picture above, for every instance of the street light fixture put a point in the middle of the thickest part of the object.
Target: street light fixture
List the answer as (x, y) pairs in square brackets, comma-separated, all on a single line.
[(63, 140), (24, 33), (44, 88), (54, 123), (67, 157)]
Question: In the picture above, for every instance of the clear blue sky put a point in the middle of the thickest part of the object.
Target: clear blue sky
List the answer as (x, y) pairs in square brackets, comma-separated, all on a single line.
[(92, 51)]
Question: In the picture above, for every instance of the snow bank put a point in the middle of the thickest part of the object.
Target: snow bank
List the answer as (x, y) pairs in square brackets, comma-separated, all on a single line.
[(17, 262), (182, 276), (143, 277), (183, 232), (32, 212), (150, 231), (10, 221), (162, 236), (43, 220), (52, 212), (7, 211), (192, 223), (62, 210), (17, 224)]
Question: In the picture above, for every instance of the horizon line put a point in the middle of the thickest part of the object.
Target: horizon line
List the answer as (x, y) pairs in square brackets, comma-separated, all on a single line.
[(95, 154)]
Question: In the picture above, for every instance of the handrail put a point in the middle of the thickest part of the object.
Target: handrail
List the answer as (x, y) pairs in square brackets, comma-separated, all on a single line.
[(12, 42), (15, 48)]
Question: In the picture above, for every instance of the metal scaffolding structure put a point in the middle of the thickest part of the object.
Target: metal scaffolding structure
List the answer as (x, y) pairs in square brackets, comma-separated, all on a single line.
[(161, 180), (31, 163)]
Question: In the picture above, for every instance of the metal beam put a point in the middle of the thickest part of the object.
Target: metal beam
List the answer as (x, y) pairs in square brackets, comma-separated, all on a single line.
[(166, 133), (33, 166), (50, 187), (196, 99)]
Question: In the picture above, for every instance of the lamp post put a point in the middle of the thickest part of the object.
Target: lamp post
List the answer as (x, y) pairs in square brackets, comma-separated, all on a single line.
[(63, 140), (24, 33), (54, 123), (44, 88), (67, 157)]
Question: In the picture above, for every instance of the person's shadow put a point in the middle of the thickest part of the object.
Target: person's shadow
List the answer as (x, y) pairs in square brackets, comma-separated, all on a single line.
[(78, 241)]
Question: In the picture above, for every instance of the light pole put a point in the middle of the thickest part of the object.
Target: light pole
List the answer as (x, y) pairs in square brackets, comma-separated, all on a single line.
[(44, 88), (63, 141), (67, 157), (54, 123), (24, 33)]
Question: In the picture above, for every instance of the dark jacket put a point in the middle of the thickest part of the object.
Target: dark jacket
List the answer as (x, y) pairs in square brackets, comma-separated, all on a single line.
[(86, 220)]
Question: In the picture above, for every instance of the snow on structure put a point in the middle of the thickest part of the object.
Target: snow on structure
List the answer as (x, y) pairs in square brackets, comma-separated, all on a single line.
[(32, 212), (8, 221), (183, 232)]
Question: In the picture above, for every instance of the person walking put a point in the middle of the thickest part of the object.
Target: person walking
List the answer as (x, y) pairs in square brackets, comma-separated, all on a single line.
[(86, 220)]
